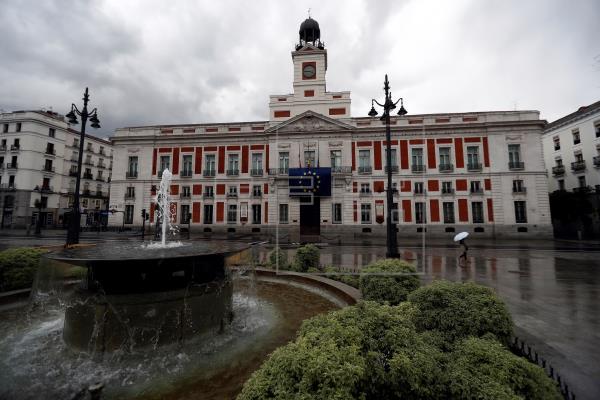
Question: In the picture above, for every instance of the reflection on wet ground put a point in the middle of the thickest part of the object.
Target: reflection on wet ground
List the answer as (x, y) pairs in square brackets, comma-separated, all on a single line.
[(553, 295)]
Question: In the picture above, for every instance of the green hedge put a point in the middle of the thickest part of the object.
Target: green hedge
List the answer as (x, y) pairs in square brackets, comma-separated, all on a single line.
[(18, 267), (275, 254), (334, 273), (394, 288), (306, 257), (377, 351), (457, 310)]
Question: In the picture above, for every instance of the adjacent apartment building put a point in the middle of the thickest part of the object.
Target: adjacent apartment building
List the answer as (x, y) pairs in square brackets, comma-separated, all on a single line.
[(38, 166), (313, 169)]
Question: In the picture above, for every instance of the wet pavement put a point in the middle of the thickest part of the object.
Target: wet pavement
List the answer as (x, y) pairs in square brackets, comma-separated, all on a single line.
[(552, 289)]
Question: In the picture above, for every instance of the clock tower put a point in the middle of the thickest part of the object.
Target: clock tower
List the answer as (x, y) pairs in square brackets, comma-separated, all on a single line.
[(310, 90)]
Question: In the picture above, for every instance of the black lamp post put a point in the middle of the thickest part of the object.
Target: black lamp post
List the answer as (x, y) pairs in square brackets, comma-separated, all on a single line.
[(73, 230), (388, 105)]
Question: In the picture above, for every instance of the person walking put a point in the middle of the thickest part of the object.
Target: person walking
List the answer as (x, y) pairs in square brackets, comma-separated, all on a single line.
[(463, 256)]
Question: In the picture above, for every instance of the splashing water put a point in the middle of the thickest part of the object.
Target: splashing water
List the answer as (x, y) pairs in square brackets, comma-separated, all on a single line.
[(164, 207)]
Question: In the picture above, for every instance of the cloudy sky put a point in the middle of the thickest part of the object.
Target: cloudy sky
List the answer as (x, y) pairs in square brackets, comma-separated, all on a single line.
[(191, 61)]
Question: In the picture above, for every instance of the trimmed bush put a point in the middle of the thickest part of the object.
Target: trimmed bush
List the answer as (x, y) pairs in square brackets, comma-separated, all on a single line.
[(307, 257), (275, 254), (393, 288), (484, 369), (333, 273), (18, 267), (458, 310)]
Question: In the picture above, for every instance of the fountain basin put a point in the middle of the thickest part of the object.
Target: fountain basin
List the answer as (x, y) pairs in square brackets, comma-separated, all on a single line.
[(134, 297)]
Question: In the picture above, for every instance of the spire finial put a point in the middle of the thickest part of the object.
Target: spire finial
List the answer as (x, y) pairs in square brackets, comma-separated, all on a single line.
[(309, 13)]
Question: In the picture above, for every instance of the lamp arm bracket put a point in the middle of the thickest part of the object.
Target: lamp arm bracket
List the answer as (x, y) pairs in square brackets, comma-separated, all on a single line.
[(379, 104)]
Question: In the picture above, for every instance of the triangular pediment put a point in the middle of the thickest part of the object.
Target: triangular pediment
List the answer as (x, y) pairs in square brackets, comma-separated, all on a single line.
[(310, 121)]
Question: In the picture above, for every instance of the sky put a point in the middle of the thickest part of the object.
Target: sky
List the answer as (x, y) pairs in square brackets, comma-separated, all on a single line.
[(150, 62)]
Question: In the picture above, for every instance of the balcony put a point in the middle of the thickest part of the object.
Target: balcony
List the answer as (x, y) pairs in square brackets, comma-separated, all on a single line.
[(447, 192), (521, 190), (578, 166), (256, 172), (44, 189), (3, 148), (129, 196), (86, 192), (232, 172), (232, 195), (75, 145), (87, 176), (12, 165), (73, 173), (474, 167), (50, 152), (446, 168), (131, 174), (8, 186), (476, 191), (185, 196), (365, 170), (341, 170), (556, 147), (74, 159), (99, 193), (558, 170), (186, 173), (1, 166), (209, 173), (582, 189), (278, 171), (100, 179), (365, 193), (394, 169), (597, 161), (257, 194), (419, 192), (88, 162), (15, 148), (418, 168), (90, 149), (208, 195), (102, 153), (516, 165), (46, 168), (101, 165)]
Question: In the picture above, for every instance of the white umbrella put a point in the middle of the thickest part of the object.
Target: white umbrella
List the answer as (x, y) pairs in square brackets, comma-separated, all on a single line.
[(460, 236)]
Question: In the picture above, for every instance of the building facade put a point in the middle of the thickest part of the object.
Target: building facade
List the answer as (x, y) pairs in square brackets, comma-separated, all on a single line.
[(38, 166), (478, 171), (572, 150)]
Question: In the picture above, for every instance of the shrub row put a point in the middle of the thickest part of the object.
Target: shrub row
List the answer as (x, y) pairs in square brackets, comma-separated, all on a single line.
[(306, 259), (18, 267)]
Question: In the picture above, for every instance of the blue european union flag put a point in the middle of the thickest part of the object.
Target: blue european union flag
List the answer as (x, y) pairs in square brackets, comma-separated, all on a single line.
[(304, 181)]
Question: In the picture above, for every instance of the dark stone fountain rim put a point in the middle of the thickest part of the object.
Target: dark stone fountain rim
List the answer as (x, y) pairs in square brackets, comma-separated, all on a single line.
[(110, 251)]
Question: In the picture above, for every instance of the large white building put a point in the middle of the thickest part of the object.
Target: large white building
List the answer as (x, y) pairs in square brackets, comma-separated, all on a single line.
[(572, 150), (477, 171), (38, 166)]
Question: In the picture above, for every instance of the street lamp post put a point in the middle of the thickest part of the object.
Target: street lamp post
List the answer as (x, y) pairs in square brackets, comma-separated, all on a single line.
[(388, 105), (73, 230)]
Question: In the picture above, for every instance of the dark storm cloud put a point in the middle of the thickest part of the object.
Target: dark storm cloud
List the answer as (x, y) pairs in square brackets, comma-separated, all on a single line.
[(157, 62)]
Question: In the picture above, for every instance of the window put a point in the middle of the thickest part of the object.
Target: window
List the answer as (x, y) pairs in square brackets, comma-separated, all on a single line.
[(101, 151), (18, 127), (50, 148), (284, 162), (559, 162), (473, 157), (556, 140), (476, 187), (448, 210), (445, 156), (256, 191), (99, 177), (233, 164), (578, 157), (336, 213), (514, 156), (257, 167), (420, 217), (132, 167), (581, 181), (17, 143), (75, 142), (336, 159), (447, 187), (576, 138), (520, 212), (561, 184), (395, 214), (419, 188), (48, 165), (11, 181), (309, 158), (231, 213), (283, 213), (394, 162), (597, 128), (186, 192), (364, 161), (518, 186), (46, 184), (185, 214), (365, 188), (130, 192), (129, 208), (89, 147), (51, 132), (165, 162), (256, 213), (232, 191), (365, 213), (5, 128), (417, 157), (477, 208), (209, 191), (187, 165), (208, 214), (209, 165)]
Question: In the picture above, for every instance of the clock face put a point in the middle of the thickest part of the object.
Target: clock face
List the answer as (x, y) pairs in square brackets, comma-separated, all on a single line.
[(308, 71)]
